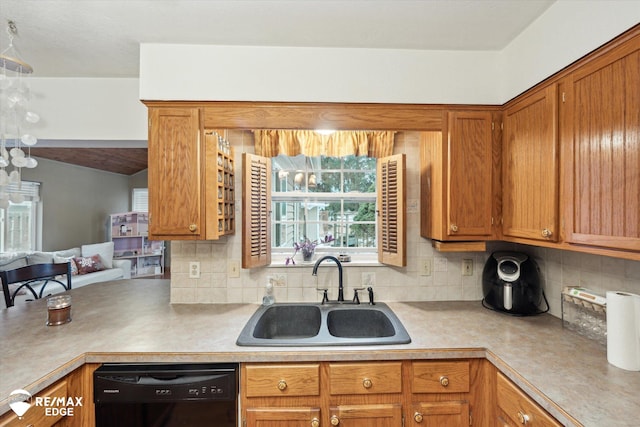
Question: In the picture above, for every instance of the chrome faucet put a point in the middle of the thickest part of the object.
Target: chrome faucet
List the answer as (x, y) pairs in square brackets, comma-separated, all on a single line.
[(339, 264)]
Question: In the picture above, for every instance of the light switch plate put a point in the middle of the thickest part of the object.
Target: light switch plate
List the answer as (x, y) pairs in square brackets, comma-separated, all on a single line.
[(233, 269)]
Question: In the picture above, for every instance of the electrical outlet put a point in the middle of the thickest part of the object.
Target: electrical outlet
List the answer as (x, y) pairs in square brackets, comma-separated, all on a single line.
[(467, 267), (233, 269), (368, 279), (194, 270), (425, 267)]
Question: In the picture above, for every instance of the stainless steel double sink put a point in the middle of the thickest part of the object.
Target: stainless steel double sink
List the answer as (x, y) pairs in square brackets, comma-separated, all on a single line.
[(306, 324)]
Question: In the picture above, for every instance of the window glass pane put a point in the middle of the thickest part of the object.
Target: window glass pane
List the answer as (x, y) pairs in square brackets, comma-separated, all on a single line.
[(140, 200), (19, 227), (362, 182), (329, 199)]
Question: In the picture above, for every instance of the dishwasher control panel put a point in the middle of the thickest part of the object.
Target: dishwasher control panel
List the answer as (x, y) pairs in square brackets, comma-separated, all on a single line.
[(165, 382)]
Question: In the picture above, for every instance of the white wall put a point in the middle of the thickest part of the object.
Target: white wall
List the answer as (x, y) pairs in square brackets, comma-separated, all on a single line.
[(88, 109), (109, 109), (566, 31), (258, 73)]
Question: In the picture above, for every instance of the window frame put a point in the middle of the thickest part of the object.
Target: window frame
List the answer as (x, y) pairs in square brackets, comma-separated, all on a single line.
[(303, 196)]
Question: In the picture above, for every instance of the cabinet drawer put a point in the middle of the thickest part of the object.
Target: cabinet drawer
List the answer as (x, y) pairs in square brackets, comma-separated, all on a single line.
[(37, 415), (282, 380), (365, 378), (440, 377), (520, 408)]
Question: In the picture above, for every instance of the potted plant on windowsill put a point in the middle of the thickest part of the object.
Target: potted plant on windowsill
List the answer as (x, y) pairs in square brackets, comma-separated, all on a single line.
[(307, 247)]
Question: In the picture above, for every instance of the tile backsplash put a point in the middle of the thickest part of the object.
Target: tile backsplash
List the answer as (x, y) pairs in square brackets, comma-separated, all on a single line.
[(444, 283)]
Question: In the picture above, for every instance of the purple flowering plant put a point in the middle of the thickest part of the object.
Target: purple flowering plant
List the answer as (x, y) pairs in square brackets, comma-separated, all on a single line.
[(307, 247)]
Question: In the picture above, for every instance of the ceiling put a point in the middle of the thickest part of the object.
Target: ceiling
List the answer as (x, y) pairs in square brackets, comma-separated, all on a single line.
[(100, 38)]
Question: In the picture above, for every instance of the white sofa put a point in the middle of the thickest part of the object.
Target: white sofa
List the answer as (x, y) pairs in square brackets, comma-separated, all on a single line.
[(115, 269)]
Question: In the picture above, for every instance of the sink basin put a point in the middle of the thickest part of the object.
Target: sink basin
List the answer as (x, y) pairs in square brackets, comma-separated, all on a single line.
[(288, 322), (301, 324), (359, 323)]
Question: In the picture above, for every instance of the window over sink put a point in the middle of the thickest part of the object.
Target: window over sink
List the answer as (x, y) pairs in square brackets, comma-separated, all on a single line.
[(329, 200)]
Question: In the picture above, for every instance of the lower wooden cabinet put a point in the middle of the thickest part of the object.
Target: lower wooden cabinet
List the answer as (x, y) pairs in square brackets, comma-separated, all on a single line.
[(75, 390), (282, 417), (366, 415), (454, 413), (40, 415), (440, 394), (515, 408), (430, 393)]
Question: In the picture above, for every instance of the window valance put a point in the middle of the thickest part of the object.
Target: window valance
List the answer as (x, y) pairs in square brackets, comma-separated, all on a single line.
[(273, 142)]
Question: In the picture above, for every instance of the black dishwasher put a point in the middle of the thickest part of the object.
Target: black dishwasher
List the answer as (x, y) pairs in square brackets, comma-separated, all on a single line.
[(166, 395)]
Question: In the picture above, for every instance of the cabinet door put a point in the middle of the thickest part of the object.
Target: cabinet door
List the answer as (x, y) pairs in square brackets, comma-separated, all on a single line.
[(375, 415), (175, 164), (440, 414), (518, 408), (283, 417), (603, 192), (530, 167), (469, 175)]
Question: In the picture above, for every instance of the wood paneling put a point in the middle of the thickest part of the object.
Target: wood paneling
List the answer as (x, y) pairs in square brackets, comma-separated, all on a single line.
[(176, 195), (125, 161), (603, 138), (256, 210), (392, 244), (530, 167)]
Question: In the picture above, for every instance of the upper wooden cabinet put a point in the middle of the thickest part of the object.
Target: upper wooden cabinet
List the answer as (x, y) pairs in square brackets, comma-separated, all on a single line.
[(601, 137), (191, 177), (530, 167), (176, 165), (456, 178)]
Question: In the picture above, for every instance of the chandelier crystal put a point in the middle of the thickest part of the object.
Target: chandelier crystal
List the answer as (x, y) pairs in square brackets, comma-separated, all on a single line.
[(15, 119)]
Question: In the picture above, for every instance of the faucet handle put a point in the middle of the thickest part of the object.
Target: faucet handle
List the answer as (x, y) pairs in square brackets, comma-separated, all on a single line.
[(356, 299), (370, 290), (325, 297)]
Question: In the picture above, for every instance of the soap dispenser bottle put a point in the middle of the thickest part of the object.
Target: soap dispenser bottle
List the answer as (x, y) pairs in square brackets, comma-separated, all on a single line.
[(268, 298)]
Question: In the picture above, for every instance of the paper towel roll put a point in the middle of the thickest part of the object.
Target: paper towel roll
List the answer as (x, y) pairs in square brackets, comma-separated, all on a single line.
[(623, 330)]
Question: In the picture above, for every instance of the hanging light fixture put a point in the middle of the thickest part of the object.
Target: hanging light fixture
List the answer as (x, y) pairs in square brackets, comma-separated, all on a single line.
[(15, 118)]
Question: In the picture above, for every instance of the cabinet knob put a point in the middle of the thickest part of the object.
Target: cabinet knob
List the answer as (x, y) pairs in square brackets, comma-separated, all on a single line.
[(366, 383), (454, 228), (547, 233), (282, 385), (335, 420), (523, 418), (315, 422), (444, 381), (417, 417), (193, 227)]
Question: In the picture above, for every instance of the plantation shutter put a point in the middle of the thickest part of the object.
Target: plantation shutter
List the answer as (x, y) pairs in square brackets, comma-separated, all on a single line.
[(256, 211), (392, 244)]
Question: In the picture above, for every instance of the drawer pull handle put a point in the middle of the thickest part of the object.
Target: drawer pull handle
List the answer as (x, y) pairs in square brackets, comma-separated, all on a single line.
[(315, 422), (444, 381), (417, 417), (454, 228), (366, 383), (523, 418), (335, 420), (282, 385), (547, 233), (193, 227)]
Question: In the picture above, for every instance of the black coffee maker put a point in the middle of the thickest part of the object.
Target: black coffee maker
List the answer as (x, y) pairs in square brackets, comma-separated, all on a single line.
[(511, 284)]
